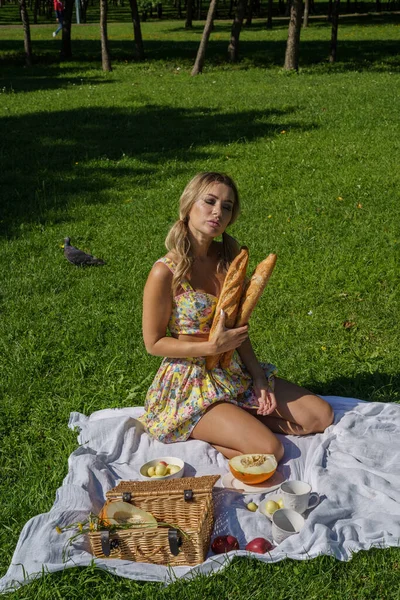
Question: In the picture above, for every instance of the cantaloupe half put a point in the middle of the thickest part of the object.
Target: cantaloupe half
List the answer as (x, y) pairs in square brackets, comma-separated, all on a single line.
[(119, 512), (253, 468)]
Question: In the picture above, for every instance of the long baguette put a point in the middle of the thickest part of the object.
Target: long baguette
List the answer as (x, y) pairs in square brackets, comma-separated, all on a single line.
[(229, 298), (250, 297)]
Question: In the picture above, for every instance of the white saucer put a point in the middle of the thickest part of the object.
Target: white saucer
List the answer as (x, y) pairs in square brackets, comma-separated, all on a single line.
[(230, 482), (261, 507)]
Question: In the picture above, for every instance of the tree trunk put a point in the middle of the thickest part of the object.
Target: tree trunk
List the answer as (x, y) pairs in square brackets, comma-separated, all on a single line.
[(137, 31), (233, 48), (269, 14), (189, 14), (335, 24), (84, 5), (105, 53), (35, 11), (201, 53), (293, 41), (249, 19), (306, 13), (27, 33), (66, 49), (199, 10), (330, 11)]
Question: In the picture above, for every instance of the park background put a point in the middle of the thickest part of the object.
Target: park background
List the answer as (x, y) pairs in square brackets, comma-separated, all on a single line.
[(103, 156)]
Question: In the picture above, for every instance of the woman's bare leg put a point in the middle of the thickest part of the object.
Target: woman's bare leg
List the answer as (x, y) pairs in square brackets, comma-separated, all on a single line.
[(227, 452), (299, 411), (234, 431)]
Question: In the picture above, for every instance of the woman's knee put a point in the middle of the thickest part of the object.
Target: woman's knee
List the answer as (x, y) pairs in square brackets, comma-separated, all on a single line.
[(278, 450), (323, 417), (269, 445), (328, 415)]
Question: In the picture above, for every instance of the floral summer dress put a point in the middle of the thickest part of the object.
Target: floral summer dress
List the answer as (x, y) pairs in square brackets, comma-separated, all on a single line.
[(183, 388)]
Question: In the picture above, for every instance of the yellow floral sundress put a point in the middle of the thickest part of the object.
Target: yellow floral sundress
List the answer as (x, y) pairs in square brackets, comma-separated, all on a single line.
[(183, 388)]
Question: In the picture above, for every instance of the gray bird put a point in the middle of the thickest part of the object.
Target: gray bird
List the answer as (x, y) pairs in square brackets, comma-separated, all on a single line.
[(79, 257)]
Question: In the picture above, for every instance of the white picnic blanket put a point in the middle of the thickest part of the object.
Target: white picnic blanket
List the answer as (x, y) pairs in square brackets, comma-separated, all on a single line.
[(354, 466)]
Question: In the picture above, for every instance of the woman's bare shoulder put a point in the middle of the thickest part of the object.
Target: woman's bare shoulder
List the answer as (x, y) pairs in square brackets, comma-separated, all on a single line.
[(160, 272)]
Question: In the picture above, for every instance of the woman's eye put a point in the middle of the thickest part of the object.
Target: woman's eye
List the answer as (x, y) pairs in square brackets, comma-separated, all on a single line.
[(228, 207), (208, 201)]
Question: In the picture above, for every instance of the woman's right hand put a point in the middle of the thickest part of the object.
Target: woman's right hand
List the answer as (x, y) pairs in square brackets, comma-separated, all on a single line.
[(225, 339)]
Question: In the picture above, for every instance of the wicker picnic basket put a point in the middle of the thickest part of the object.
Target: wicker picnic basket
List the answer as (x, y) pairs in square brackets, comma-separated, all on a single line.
[(186, 504)]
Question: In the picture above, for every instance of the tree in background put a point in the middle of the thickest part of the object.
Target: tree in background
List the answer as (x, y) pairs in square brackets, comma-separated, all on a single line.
[(84, 6), (137, 32), (35, 11), (269, 14), (27, 33), (201, 53), (293, 41), (66, 48), (335, 24), (306, 13), (233, 48), (330, 6), (249, 19), (189, 14), (105, 53)]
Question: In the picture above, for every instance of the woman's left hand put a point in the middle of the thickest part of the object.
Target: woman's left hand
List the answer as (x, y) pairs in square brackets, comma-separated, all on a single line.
[(266, 398)]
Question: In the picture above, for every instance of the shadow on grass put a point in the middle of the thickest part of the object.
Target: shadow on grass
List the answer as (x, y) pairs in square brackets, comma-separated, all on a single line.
[(374, 387), (281, 22), (377, 55), (40, 78), (50, 159)]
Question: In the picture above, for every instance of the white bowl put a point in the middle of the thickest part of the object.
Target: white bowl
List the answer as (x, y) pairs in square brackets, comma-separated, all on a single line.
[(170, 460)]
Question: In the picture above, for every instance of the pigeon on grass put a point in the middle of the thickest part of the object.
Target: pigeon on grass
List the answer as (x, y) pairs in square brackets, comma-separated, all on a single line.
[(79, 257)]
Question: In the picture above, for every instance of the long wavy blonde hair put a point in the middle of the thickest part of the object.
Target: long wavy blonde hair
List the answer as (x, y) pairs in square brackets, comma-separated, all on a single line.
[(177, 240)]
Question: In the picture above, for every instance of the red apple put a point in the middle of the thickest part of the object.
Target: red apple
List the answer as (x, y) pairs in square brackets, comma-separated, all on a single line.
[(162, 462), (259, 545), (224, 543)]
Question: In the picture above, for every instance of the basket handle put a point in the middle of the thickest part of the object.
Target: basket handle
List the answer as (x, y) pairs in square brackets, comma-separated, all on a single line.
[(105, 542), (175, 541)]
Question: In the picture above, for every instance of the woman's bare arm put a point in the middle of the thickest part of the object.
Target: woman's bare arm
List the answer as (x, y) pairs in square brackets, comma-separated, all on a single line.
[(250, 360), (264, 393), (157, 308)]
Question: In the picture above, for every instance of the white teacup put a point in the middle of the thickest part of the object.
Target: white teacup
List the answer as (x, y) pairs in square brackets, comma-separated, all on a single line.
[(297, 495), (285, 522)]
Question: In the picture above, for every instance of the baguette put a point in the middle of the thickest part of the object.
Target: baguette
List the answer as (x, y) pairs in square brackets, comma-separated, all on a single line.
[(229, 298), (250, 297)]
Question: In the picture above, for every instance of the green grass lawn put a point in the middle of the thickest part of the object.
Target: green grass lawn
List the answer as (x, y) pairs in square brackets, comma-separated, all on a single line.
[(103, 158)]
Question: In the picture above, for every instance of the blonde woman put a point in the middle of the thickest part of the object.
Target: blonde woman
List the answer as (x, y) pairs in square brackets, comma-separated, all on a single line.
[(239, 409)]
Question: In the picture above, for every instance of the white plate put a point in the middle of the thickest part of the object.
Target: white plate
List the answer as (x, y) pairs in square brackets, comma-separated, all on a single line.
[(230, 482), (261, 507)]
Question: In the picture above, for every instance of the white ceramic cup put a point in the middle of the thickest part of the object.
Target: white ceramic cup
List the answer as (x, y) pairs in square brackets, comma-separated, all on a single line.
[(298, 496), (285, 522)]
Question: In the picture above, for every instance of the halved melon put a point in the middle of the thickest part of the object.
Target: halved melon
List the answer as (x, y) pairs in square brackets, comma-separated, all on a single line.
[(119, 512), (253, 468)]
